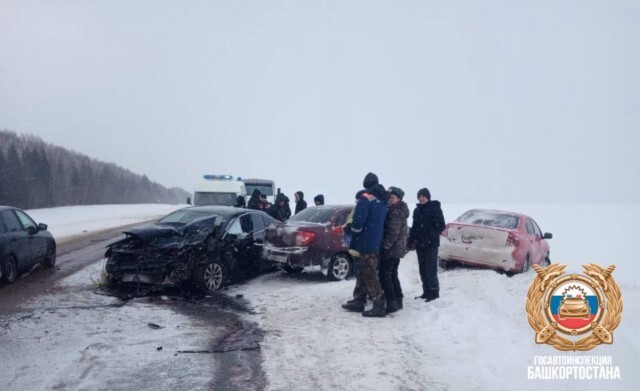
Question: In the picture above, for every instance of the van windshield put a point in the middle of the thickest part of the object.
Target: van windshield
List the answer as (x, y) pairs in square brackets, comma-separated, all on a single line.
[(206, 198), (263, 189)]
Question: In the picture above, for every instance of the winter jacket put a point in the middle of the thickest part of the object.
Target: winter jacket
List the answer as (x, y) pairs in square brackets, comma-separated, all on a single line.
[(368, 220), (254, 201), (287, 208), (240, 202), (394, 242), (301, 204), (428, 223), (279, 209)]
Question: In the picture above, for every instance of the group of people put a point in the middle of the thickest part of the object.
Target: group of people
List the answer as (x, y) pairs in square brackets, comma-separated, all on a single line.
[(280, 209), (380, 238)]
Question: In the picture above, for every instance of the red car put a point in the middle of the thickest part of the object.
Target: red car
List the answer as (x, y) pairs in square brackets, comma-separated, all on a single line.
[(313, 237), (500, 240)]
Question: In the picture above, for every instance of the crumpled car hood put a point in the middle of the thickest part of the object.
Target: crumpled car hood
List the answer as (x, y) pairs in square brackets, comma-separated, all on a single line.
[(160, 236)]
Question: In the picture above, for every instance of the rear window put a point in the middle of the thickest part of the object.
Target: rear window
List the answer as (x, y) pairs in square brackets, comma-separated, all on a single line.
[(314, 215), (489, 219)]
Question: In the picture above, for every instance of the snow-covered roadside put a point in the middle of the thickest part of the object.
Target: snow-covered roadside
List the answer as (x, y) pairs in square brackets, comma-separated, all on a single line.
[(71, 221), (475, 337)]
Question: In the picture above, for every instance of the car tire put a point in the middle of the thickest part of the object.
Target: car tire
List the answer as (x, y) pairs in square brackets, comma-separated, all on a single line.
[(50, 260), (9, 270), (209, 276), (446, 265), (292, 269), (339, 267), (546, 262), (526, 265)]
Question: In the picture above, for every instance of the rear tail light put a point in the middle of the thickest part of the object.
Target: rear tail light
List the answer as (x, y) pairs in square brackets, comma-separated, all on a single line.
[(512, 240), (304, 238)]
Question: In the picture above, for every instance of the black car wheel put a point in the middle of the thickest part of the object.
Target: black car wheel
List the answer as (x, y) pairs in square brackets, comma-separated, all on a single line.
[(339, 267), (546, 261), (9, 270), (292, 269), (446, 265), (210, 276), (526, 265), (50, 261)]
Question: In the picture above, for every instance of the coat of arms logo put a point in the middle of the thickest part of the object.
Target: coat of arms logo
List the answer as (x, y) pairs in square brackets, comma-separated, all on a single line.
[(573, 305)]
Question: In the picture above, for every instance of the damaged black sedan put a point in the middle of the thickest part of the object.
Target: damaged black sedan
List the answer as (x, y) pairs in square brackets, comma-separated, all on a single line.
[(202, 247)]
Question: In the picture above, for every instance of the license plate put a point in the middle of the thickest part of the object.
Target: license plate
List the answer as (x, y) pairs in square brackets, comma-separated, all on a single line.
[(278, 258)]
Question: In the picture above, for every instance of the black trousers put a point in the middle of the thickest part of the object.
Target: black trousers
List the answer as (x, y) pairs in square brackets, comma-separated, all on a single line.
[(389, 278), (428, 263)]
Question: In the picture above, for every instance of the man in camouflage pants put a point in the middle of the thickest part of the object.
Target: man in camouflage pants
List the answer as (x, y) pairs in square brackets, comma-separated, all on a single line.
[(367, 229)]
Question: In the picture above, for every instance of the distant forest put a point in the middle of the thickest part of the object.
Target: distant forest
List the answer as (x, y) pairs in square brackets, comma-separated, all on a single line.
[(35, 174)]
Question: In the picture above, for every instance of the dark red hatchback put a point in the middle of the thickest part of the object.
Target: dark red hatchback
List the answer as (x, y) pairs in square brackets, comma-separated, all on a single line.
[(313, 237)]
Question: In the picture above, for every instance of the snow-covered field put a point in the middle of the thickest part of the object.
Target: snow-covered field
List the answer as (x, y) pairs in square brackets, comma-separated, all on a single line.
[(71, 221), (475, 337)]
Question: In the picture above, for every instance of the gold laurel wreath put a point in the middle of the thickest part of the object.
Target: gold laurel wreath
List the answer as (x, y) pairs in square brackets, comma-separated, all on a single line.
[(545, 333)]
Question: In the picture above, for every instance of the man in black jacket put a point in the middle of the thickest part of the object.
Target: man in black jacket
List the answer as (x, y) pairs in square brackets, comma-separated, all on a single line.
[(301, 204), (428, 223)]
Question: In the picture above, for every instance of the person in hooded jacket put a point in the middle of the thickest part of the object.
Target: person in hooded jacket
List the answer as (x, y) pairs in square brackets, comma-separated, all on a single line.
[(287, 208), (367, 229), (254, 200), (240, 202), (318, 200), (428, 223), (394, 247), (301, 204), (278, 210)]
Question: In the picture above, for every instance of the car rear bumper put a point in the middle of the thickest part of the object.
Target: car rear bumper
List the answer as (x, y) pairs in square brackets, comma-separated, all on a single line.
[(497, 258), (293, 256)]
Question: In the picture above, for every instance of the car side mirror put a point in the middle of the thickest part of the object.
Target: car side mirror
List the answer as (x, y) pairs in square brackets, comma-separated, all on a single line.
[(42, 227), (547, 235), (31, 230)]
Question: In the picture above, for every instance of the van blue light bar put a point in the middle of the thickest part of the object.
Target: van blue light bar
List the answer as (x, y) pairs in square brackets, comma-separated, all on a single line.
[(217, 177)]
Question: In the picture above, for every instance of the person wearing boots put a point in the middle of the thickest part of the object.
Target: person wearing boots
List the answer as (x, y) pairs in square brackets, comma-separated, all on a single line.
[(394, 247), (301, 204), (367, 229), (428, 223)]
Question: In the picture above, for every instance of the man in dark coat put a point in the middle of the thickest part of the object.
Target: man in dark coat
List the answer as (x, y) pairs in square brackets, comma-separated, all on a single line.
[(240, 202), (278, 210), (394, 247), (319, 199), (254, 200), (301, 204), (428, 223), (367, 229)]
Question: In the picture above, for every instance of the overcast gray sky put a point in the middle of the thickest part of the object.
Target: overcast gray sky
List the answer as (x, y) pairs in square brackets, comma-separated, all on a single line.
[(481, 101)]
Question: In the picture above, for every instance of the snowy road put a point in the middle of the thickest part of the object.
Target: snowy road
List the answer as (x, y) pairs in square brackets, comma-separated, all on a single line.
[(475, 337), (56, 332)]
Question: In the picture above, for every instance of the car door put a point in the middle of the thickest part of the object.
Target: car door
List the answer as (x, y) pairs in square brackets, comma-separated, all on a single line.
[(18, 239), (534, 242), (543, 246), (241, 227), (37, 241)]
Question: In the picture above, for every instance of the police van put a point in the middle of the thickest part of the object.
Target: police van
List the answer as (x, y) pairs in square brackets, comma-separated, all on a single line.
[(218, 190)]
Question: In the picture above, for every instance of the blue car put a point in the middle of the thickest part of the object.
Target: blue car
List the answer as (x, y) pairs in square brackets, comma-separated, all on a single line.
[(23, 243)]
